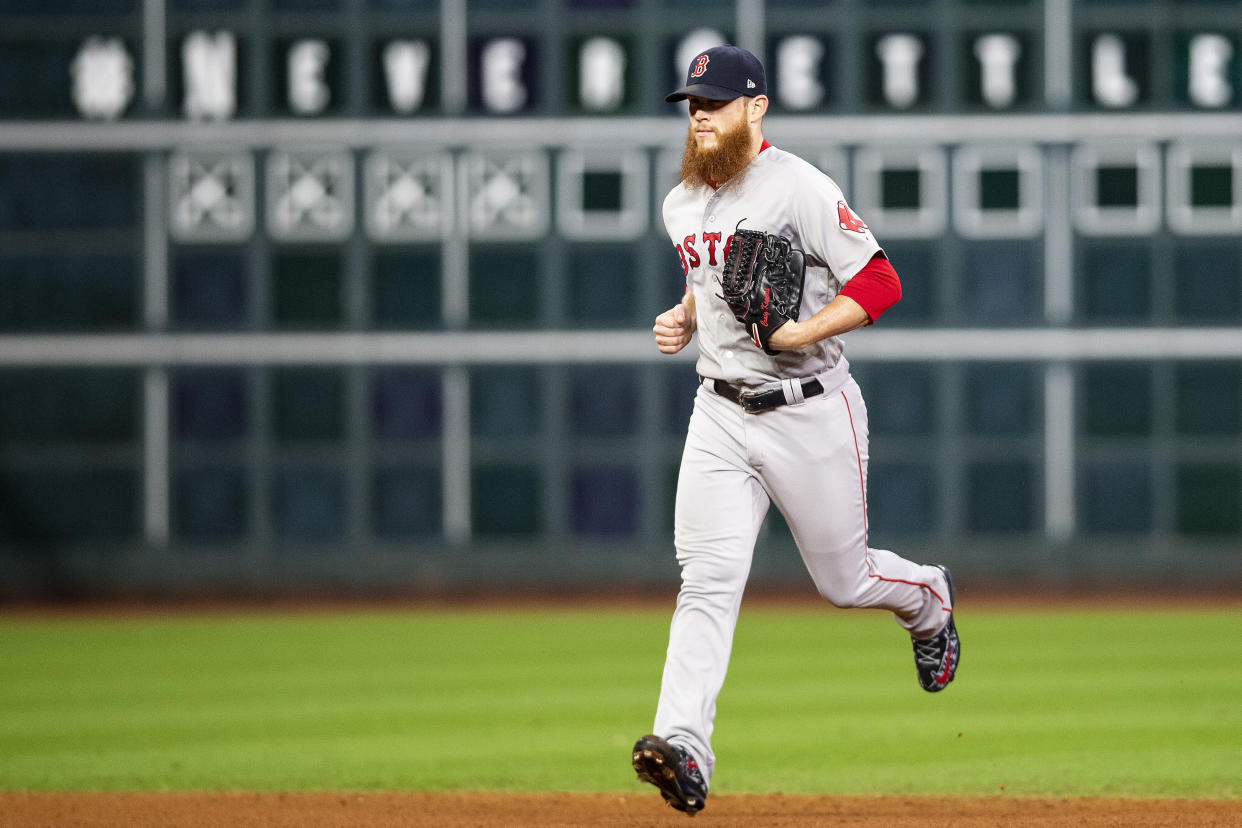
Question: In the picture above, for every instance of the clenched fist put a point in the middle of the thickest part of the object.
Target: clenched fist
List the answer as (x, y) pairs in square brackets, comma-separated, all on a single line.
[(674, 328)]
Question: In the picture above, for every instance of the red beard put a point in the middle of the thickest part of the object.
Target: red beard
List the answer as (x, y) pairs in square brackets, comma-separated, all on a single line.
[(716, 166)]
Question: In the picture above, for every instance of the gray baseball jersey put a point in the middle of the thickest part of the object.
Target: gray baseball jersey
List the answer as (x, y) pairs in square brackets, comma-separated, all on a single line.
[(777, 193)]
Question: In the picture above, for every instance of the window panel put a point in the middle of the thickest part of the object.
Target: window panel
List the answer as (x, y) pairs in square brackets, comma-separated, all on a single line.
[(211, 504), (1117, 400), (78, 405), (501, 280), (602, 193), (69, 293), (506, 401), (899, 189), (901, 498), (68, 192), (602, 4), (1205, 187), (309, 504), (1117, 497), (998, 191), (1209, 499), (506, 500), (308, 5), (1208, 282), (82, 505), (210, 404), (307, 290), (1002, 284), (1115, 280), (405, 5), (1001, 497), (1116, 188), (1209, 398), (407, 502), (605, 501), (210, 288), (603, 284), (1002, 400), (309, 404), (207, 5), (406, 404), (901, 399), (603, 401), (901, 192), (68, 6), (601, 190), (1211, 185), (406, 289)]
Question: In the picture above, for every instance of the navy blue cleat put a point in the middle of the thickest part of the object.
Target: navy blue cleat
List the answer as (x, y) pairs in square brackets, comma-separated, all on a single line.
[(936, 658), (673, 771)]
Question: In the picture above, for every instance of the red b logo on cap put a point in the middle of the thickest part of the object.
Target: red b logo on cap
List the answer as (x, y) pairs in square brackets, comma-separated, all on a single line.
[(700, 66)]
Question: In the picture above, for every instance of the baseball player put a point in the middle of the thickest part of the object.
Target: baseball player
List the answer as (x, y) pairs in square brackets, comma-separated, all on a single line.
[(777, 417)]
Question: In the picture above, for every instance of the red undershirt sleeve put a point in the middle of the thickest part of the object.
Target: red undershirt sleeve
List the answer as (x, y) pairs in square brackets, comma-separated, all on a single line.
[(875, 288)]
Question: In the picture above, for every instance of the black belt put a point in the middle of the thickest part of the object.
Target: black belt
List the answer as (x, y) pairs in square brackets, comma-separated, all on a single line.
[(755, 402)]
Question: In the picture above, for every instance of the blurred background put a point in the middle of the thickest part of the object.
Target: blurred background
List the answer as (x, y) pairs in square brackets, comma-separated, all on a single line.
[(355, 296)]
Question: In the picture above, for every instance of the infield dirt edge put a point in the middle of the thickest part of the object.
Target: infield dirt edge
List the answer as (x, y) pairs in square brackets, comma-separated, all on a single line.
[(639, 808)]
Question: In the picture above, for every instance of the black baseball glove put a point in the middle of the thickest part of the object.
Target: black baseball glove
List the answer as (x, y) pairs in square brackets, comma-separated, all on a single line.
[(762, 283)]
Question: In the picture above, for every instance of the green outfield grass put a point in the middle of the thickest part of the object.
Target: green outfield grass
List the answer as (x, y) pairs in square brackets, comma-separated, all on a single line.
[(818, 701)]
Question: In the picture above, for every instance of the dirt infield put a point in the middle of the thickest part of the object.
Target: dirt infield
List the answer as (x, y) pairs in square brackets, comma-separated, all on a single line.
[(485, 810)]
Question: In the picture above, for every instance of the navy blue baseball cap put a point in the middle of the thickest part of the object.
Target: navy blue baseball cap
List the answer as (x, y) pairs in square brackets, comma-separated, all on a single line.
[(723, 73)]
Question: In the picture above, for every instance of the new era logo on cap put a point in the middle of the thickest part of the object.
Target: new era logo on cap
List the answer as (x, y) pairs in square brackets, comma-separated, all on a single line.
[(723, 73)]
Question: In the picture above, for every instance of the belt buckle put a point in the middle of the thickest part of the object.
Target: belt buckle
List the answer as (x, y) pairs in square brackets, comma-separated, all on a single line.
[(750, 402)]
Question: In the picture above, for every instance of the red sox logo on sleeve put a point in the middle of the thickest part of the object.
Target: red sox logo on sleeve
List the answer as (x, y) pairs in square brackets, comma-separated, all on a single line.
[(700, 66), (848, 220)]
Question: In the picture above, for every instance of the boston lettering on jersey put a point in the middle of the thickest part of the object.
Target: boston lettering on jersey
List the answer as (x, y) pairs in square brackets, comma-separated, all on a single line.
[(691, 256)]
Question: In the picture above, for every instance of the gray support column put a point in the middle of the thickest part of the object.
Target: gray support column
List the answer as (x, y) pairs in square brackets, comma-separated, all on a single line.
[(1059, 477), (751, 31), (455, 286), (456, 453), (155, 434), (155, 438), (1060, 516), (154, 53), (454, 68), (1058, 54)]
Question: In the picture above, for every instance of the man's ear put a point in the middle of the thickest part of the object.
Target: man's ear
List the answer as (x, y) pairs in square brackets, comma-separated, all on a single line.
[(758, 107)]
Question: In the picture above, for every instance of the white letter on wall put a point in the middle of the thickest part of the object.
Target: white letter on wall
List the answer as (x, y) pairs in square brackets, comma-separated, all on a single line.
[(900, 55), (601, 74), (405, 69), (210, 70), (1109, 82), (1209, 66), (998, 56), (103, 78), (503, 90), (308, 93), (797, 67)]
